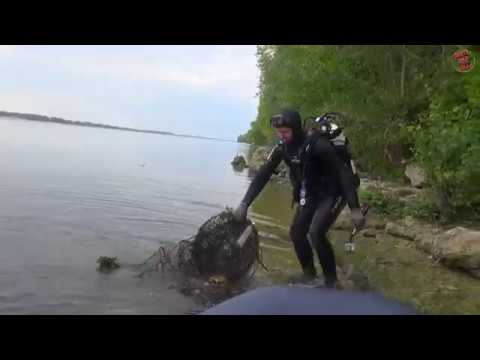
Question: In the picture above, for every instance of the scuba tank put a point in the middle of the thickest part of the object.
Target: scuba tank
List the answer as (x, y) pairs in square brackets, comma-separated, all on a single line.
[(327, 126)]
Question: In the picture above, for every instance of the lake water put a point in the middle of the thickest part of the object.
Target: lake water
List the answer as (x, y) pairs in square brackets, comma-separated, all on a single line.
[(71, 194)]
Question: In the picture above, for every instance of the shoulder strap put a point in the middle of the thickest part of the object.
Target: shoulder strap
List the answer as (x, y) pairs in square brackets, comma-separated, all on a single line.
[(310, 143)]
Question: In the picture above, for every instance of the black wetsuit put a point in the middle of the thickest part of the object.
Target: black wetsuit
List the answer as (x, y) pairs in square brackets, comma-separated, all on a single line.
[(330, 185)]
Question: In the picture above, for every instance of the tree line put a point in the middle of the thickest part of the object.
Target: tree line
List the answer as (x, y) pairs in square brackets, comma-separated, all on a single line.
[(402, 104)]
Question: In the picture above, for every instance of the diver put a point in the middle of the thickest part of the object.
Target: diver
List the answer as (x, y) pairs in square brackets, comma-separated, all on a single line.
[(323, 183)]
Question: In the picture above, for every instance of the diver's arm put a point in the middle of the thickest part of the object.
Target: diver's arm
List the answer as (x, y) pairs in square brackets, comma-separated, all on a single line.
[(326, 153), (262, 177)]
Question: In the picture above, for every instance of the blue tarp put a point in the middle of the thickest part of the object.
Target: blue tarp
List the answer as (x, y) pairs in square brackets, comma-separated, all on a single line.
[(309, 301)]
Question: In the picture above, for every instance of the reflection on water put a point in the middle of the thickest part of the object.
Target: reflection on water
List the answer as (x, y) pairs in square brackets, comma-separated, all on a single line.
[(72, 194)]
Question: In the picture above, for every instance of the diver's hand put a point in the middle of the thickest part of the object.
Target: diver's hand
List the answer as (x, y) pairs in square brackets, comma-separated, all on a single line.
[(358, 218), (240, 213)]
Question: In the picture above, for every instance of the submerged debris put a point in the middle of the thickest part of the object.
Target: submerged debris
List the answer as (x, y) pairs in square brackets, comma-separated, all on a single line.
[(107, 264), (223, 246), (214, 264)]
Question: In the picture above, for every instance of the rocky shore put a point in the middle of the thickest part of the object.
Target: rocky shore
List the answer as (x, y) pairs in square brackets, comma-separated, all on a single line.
[(456, 247)]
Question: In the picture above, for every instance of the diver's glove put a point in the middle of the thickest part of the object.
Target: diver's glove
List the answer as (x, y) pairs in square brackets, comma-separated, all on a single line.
[(358, 218), (240, 213)]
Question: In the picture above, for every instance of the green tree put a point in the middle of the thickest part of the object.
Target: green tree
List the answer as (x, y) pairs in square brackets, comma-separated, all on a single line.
[(402, 103)]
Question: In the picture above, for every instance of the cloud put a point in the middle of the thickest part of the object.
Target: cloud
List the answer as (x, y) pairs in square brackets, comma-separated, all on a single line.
[(134, 85), (228, 71)]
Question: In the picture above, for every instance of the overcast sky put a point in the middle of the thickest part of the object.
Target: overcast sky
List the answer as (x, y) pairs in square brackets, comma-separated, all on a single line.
[(199, 90)]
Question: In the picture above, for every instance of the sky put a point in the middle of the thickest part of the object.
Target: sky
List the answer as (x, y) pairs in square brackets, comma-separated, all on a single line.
[(201, 90)]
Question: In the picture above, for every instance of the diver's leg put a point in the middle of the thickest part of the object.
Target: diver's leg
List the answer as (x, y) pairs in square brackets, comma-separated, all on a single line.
[(298, 234), (325, 215), (335, 211)]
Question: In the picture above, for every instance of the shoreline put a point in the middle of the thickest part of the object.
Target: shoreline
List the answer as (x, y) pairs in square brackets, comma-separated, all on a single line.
[(54, 120), (401, 257)]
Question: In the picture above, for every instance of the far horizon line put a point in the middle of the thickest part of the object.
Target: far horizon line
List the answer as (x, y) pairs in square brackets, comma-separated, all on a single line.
[(58, 120)]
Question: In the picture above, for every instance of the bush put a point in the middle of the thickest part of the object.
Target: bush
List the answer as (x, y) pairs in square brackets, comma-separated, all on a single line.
[(384, 205), (447, 144), (403, 103), (421, 209), (387, 205)]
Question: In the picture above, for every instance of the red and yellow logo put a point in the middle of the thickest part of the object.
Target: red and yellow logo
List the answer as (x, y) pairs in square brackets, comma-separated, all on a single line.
[(463, 60)]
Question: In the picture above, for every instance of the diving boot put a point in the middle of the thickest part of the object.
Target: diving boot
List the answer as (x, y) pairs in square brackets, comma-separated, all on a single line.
[(333, 284), (308, 276)]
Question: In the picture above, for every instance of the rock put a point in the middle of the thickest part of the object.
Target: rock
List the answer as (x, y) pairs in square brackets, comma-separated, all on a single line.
[(352, 279), (379, 226), (409, 221), (344, 222), (460, 248), (427, 243), (369, 233), (258, 157), (239, 162), (399, 231), (375, 224), (416, 175), (403, 192)]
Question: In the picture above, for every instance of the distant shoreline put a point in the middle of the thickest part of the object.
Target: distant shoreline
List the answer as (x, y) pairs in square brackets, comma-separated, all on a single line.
[(56, 120)]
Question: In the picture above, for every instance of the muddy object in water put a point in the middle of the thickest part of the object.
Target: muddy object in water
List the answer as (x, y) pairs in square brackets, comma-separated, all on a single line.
[(175, 259), (107, 264), (224, 246), (219, 257), (217, 263)]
